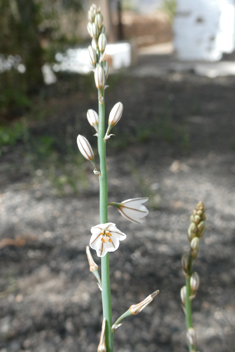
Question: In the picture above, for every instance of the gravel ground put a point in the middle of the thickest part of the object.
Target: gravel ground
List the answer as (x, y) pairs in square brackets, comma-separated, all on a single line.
[(175, 144)]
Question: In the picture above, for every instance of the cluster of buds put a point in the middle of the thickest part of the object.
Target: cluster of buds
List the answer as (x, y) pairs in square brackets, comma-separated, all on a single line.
[(96, 50), (197, 228), (188, 292)]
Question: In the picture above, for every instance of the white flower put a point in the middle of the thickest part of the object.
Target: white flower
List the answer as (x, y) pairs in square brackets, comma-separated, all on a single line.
[(132, 209), (105, 238)]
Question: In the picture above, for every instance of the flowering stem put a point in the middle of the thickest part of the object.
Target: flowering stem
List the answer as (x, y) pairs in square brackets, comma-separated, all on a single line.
[(106, 295), (188, 307)]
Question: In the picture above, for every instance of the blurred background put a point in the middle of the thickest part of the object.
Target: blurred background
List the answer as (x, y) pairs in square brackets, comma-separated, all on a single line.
[(172, 65)]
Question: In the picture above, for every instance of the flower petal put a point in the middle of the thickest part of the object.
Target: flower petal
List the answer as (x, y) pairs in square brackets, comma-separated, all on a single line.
[(133, 210)]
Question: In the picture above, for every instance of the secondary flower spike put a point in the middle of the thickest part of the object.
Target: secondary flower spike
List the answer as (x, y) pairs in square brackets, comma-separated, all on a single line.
[(133, 209), (85, 147), (105, 238)]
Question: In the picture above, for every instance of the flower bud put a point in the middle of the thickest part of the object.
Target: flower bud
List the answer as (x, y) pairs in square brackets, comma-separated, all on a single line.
[(183, 294), (85, 147), (90, 16), (92, 55), (194, 243), (194, 281), (106, 69), (191, 336), (102, 41), (184, 262), (94, 44), (102, 30), (99, 77), (200, 206), (93, 118), (192, 230), (203, 217), (199, 212), (115, 114), (92, 12), (98, 20), (197, 219), (201, 228), (192, 216), (89, 28), (95, 31)]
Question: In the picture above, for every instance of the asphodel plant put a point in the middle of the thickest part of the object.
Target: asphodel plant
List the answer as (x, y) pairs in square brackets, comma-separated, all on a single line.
[(188, 292), (106, 237)]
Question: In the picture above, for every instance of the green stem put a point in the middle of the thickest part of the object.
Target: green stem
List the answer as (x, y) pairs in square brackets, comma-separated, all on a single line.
[(123, 316), (188, 307), (106, 295)]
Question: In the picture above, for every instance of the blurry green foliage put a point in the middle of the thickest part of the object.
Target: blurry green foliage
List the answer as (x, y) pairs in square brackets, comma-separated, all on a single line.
[(10, 135), (30, 31), (169, 7)]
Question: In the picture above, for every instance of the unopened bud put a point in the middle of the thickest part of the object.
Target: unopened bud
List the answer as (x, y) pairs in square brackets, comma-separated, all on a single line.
[(115, 114), (201, 228), (191, 336), (197, 218), (93, 118), (92, 12), (95, 31), (85, 147), (94, 44), (90, 16), (203, 217), (194, 281), (89, 28), (92, 55), (192, 230), (194, 244), (137, 308), (99, 77), (184, 262), (106, 69), (200, 206), (102, 41), (192, 218), (98, 20), (102, 345), (183, 294), (102, 30)]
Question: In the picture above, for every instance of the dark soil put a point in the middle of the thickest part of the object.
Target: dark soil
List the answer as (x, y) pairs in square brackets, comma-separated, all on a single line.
[(175, 143)]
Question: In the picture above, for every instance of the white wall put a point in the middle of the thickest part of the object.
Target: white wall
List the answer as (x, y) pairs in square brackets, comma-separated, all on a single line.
[(204, 29)]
